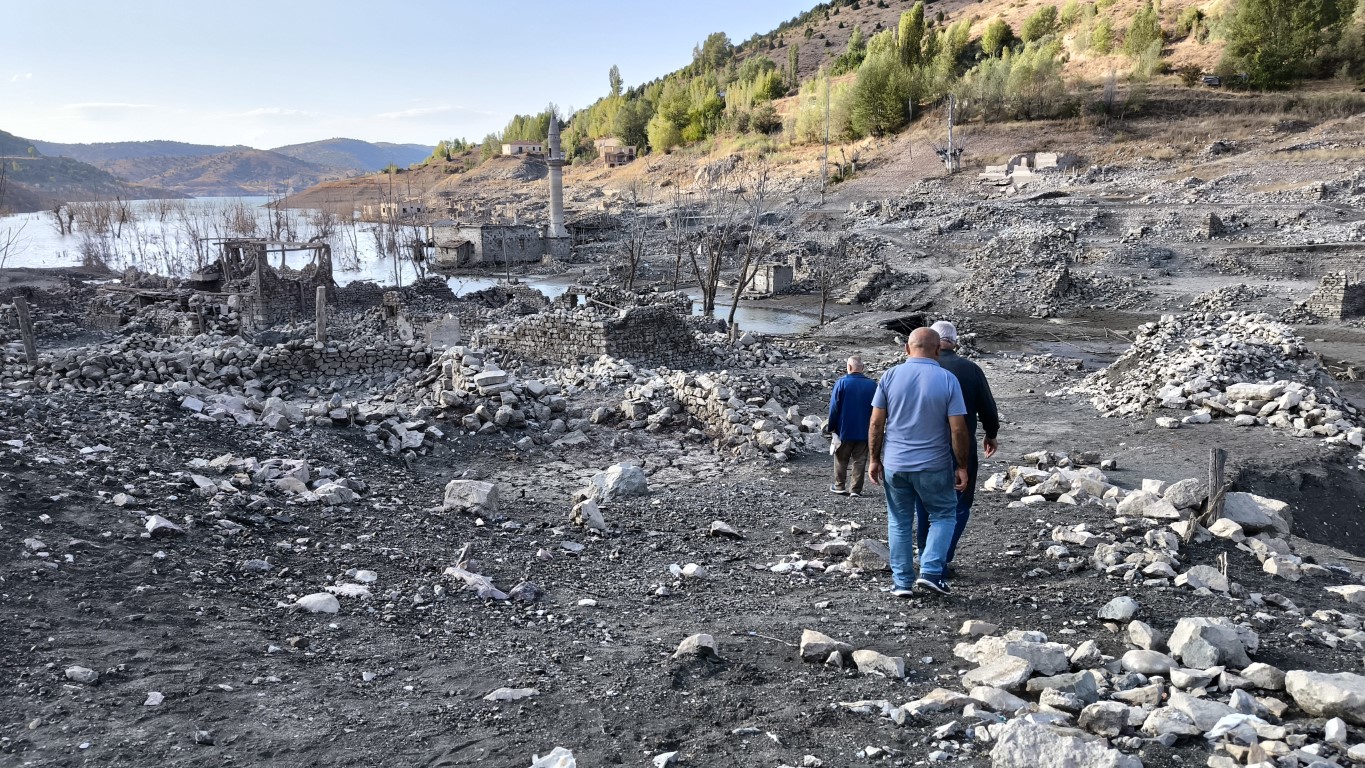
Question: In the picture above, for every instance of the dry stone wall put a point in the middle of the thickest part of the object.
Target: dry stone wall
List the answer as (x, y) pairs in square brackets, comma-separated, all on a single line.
[(653, 334)]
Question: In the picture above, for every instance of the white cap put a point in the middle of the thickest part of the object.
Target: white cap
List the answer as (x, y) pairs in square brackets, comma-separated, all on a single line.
[(945, 330)]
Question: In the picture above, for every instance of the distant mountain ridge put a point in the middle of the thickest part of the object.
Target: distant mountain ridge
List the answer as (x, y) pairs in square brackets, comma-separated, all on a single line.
[(356, 155), (32, 180), (211, 170)]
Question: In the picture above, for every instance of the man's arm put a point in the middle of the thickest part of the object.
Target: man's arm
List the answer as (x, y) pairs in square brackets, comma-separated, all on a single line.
[(990, 417), (835, 401), (962, 446), (876, 436)]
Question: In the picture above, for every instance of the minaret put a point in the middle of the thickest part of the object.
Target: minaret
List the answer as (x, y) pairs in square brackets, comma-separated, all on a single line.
[(556, 164)]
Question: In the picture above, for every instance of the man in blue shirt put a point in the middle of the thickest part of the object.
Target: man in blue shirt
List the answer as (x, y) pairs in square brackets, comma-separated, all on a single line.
[(918, 443), (850, 410), (976, 395)]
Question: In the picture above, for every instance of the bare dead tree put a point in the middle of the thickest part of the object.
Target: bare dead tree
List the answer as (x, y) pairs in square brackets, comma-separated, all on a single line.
[(636, 227), (827, 267), (721, 214), (676, 218), (61, 218), (755, 198), (11, 241)]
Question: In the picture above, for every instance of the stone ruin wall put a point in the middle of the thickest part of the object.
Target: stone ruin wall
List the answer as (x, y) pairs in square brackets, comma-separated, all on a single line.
[(1289, 262), (271, 298), (1338, 296), (655, 335)]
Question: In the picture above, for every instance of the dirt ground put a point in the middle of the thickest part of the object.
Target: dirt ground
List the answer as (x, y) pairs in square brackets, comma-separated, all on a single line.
[(387, 681)]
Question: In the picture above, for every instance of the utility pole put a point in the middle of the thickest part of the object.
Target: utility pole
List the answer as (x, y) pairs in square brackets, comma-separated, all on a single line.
[(910, 110), (824, 165), (952, 113)]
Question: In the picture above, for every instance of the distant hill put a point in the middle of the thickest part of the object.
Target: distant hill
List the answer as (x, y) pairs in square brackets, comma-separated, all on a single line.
[(106, 152), (237, 172), (356, 155), (32, 179)]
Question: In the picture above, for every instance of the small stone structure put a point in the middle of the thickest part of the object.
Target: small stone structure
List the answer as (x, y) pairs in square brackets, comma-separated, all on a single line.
[(266, 295), (512, 148), (772, 279), (1024, 168), (652, 334), (614, 152), (1338, 297)]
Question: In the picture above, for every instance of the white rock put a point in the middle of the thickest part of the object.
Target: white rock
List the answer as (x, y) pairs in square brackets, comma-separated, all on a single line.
[(817, 646), (1257, 513), (1009, 672), (620, 481), (82, 675), (1147, 662), (1328, 695), (1119, 609), (318, 602), (1025, 744), (699, 645), (471, 496), (559, 757), (160, 527), (873, 663), (1209, 642), (511, 694)]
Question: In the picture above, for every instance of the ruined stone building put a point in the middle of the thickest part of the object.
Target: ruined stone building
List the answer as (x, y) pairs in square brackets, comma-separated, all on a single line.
[(1338, 297), (266, 295), (614, 152), (654, 335), (409, 208)]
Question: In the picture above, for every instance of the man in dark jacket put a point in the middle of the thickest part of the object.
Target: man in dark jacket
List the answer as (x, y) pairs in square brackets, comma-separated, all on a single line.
[(976, 393), (850, 410)]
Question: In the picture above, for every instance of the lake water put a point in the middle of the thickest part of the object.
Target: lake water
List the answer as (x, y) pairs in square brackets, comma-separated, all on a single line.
[(170, 237)]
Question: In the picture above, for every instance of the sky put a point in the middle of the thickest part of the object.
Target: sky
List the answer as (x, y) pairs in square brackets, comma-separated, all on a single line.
[(268, 74)]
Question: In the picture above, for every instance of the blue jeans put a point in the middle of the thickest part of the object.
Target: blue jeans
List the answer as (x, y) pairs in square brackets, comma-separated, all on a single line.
[(904, 490), (964, 510)]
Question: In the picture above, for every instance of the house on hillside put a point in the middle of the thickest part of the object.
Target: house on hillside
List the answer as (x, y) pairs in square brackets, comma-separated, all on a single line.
[(514, 148), (614, 152), (409, 208)]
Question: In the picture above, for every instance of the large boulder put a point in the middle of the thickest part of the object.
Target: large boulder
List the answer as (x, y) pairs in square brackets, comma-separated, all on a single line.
[(620, 481), (1328, 695), (1210, 642), (1257, 513), (471, 496), (1025, 744)]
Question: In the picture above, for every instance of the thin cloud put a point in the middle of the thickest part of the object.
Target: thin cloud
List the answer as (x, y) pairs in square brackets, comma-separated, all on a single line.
[(19, 78), (275, 112), (415, 112)]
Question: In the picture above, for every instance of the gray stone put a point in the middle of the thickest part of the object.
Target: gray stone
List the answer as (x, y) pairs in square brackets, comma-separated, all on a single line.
[(160, 527), (1082, 685), (1087, 656), (1046, 658), (511, 694), (816, 647), (1104, 718), (1193, 678), (471, 496), (696, 646), (998, 699), (1204, 713), (82, 675), (939, 700), (1210, 642), (1008, 672), (1328, 695), (873, 663), (1119, 609), (1257, 513), (1186, 494), (1264, 676), (870, 555), (1053, 699), (1170, 721), (621, 481), (1025, 744), (318, 602), (976, 628), (1203, 576), (1143, 636), (1147, 662)]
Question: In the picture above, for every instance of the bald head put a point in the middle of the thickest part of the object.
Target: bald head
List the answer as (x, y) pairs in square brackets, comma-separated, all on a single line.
[(855, 364), (923, 342)]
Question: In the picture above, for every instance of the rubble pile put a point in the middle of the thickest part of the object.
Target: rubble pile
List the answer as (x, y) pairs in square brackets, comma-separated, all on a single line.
[(214, 361), (1033, 274), (1244, 366), (1031, 700), (471, 381), (1228, 298)]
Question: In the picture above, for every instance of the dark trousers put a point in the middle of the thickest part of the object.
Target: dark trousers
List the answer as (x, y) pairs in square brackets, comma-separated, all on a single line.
[(850, 461), (964, 510)]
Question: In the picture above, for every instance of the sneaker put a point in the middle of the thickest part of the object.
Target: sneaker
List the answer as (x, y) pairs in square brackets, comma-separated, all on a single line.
[(903, 591), (855, 494), (936, 583), (836, 489)]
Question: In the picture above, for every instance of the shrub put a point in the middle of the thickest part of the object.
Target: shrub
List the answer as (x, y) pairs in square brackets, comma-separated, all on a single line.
[(1042, 23)]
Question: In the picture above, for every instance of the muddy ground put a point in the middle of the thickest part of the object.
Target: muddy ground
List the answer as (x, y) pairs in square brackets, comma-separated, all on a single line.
[(389, 682)]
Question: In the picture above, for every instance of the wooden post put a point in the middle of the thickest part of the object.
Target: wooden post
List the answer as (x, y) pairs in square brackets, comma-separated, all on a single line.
[(26, 330), (321, 309), (1217, 493)]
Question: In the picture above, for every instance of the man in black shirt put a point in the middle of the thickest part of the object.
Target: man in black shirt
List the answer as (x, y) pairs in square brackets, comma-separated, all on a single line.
[(976, 393)]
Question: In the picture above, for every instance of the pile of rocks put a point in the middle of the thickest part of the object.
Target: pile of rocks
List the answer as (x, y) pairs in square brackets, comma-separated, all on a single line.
[(1244, 366), (1032, 701), (1228, 298), (471, 381), (1035, 274)]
